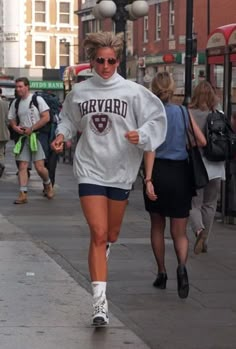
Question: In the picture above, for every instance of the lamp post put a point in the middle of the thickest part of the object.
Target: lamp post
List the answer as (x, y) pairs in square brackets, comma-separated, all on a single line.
[(208, 17), (120, 11), (188, 52)]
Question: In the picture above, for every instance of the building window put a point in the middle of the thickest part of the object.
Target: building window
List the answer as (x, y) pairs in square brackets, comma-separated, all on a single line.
[(40, 11), (40, 54), (171, 19), (64, 53), (91, 26), (145, 28), (158, 21), (65, 12)]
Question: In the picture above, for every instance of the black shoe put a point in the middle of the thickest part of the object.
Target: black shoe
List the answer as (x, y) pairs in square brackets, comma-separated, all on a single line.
[(182, 281), (160, 281)]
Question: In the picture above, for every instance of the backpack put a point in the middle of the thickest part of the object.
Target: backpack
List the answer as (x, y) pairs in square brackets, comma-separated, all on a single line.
[(55, 107), (53, 103), (221, 139)]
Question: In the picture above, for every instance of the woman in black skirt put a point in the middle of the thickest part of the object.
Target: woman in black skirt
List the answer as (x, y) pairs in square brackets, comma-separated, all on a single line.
[(167, 186)]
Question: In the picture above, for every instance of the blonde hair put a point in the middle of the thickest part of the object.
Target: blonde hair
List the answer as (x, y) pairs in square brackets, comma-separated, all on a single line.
[(93, 41), (163, 86), (204, 97)]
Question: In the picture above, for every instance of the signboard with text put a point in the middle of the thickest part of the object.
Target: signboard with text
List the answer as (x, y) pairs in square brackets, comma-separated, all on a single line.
[(46, 85)]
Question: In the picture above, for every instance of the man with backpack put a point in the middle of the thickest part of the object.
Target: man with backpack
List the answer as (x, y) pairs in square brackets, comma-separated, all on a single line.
[(31, 126), (55, 107)]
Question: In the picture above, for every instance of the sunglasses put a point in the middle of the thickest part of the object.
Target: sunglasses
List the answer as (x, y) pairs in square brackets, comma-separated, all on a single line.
[(110, 61)]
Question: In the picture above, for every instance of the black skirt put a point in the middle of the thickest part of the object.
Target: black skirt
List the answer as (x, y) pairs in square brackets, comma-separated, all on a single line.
[(172, 184)]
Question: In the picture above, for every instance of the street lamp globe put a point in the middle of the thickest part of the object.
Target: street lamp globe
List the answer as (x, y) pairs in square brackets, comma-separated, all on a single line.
[(96, 12), (107, 8), (139, 8), (132, 17)]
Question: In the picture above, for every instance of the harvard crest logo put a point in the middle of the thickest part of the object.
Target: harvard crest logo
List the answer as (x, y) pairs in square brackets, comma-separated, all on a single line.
[(100, 124)]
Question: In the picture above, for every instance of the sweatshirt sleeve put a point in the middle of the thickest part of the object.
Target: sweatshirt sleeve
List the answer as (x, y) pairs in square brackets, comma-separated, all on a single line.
[(151, 120), (69, 118)]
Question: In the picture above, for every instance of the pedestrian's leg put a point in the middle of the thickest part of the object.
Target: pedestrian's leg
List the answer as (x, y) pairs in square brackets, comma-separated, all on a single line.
[(2, 157), (180, 239), (209, 206), (51, 165), (98, 211), (195, 218), (196, 221), (158, 224), (116, 210), (43, 173), (23, 182), (95, 210)]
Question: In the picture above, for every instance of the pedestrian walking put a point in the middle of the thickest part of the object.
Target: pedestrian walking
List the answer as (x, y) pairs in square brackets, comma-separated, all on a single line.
[(204, 205), (118, 120), (27, 121), (167, 186), (4, 132)]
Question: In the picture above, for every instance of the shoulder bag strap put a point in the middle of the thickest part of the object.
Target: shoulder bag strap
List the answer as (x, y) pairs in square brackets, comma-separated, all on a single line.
[(186, 130)]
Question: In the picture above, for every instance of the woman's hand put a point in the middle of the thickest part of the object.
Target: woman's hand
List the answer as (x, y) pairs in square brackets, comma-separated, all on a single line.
[(150, 191), (58, 144), (132, 137)]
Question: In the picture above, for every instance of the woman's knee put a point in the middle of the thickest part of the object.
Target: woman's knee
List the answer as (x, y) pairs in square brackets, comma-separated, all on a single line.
[(98, 236)]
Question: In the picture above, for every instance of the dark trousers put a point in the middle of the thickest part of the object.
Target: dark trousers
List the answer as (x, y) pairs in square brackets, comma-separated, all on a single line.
[(51, 164)]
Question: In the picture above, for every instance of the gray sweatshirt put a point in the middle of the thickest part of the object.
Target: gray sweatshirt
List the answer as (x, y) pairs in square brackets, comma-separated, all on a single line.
[(104, 110)]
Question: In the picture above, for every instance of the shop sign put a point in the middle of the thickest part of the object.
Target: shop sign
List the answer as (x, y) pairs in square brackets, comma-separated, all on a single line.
[(153, 59), (9, 37), (46, 85)]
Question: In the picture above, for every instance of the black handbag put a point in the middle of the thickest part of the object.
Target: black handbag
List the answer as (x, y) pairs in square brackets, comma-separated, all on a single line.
[(196, 165)]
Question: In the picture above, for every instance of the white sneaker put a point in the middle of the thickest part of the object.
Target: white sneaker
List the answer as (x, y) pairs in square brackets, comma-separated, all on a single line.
[(100, 316), (108, 250)]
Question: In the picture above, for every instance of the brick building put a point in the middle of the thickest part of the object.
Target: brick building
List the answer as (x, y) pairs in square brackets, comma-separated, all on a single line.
[(157, 41)]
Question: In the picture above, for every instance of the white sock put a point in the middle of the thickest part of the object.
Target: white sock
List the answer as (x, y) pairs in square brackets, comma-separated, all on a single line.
[(99, 291)]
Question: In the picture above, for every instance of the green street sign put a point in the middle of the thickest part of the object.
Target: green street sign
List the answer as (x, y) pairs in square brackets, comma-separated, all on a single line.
[(46, 85)]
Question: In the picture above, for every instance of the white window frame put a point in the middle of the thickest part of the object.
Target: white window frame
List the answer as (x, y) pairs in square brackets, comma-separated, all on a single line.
[(59, 53), (47, 9), (145, 29), (171, 19), (45, 39), (71, 14), (158, 22)]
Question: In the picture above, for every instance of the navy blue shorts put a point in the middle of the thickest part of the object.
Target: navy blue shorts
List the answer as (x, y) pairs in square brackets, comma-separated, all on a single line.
[(110, 192)]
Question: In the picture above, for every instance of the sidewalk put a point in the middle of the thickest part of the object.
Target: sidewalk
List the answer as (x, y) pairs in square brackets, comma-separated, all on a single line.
[(42, 307), (45, 297)]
